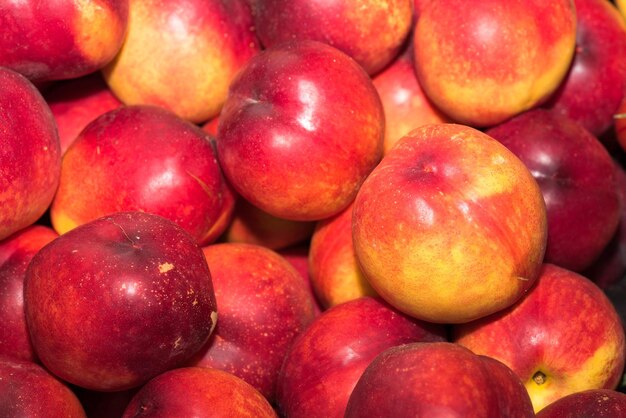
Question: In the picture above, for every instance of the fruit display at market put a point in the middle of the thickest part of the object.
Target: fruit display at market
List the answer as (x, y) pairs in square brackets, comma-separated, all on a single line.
[(307, 208)]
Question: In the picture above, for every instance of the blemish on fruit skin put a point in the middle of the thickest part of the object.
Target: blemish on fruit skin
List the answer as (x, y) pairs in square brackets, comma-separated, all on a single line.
[(165, 267), (177, 342), (213, 321)]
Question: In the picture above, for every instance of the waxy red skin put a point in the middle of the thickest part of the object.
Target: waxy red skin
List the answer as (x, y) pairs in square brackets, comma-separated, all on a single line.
[(141, 158), (30, 156), (593, 403), (263, 305), (281, 144), (198, 392), (594, 86), (298, 256), (334, 268), (610, 266), (77, 102), (450, 226), (28, 390), (182, 54), (119, 300), (406, 105), (495, 59), (565, 327), (326, 360), (437, 379), (370, 31), (16, 252), (577, 177), (47, 40)]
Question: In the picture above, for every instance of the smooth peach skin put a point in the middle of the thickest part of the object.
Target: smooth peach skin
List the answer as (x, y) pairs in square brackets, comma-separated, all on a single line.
[(182, 55), (326, 360), (16, 252), (142, 158), (581, 194), (565, 328), (592, 403), (75, 103), (437, 379), (263, 304), (594, 86), (370, 31), (404, 102), (484, 63), (198, 392), (30, 155), (450, 226), (53, 40), (283, 147), (29, 390), (298, 256), (333, 266), (119, 300)]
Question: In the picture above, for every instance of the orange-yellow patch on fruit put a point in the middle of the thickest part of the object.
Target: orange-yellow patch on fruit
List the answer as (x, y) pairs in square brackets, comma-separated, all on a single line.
[(450, 226), (592, 374), (165, 267), (62, 222), (381, 27), (498, 64), (621, 6), (99, 31), (171, 62)]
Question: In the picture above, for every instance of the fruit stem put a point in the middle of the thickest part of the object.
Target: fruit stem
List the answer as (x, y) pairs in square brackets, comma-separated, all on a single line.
[(539, 378)]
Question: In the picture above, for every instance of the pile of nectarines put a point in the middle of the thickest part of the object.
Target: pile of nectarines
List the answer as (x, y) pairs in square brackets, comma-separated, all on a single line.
[(307, 208)]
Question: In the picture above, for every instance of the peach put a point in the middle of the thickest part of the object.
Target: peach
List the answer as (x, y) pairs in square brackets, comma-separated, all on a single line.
[(563, 337), (485, 62), (451, 226), (182, 55), (53, 40), (30, 155)]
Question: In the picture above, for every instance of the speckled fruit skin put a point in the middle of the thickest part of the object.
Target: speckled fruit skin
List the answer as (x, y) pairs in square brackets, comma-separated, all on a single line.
[(198, 392), (30, 155), (593, 403), (119, 300), (565, 328), (52, 40), (450, 226), (28, 390), (437, 379), (594, 86), (578, 180), (141, 158), (182, 54), (16, 252), (281, 144), (406, 105), (263, 305), (485, 63), (326, 360), (370, 31), (298, 257), (75, 103), (335, 272)]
